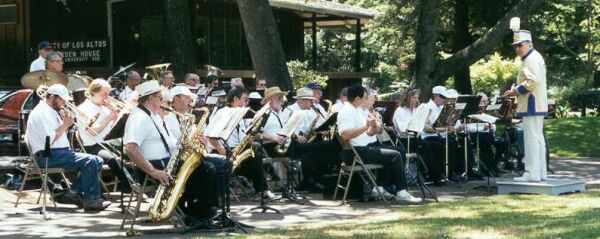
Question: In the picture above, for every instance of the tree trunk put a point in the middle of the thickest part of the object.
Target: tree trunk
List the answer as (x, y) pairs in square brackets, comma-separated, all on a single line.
[(426, 51), (178, 38), (268, 58), (461, 39)]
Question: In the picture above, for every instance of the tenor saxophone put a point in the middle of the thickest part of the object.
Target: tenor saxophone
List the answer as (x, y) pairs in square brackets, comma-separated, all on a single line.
[(188, 157), (244, 149)]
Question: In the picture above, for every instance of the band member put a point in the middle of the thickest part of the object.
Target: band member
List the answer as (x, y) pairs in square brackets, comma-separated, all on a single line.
[(483, 139), (181, 101), (92, 136), (166, 82), (39, 64), (405, 111), (254, 101), (434, 140), (252, 168), (237, 83), (318, 94), (133, 79), (48, 120), (192, 80), (343, 98), (359, 130), (54, 61), (532, 106), (260, 84)]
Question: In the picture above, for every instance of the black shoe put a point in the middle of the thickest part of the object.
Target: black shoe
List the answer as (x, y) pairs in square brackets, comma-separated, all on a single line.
[(70, 197)]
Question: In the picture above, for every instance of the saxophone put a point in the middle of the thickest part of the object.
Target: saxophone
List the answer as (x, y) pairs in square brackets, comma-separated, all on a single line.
[(311, 135), (244, 149), (184, 161)]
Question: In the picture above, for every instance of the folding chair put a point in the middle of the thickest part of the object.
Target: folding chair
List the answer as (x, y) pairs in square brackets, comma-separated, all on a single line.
[(274, 161), (358, 166), (33, 171)]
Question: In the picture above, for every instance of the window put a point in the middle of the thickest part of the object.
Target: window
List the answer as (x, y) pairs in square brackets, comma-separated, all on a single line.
[(8, 14)]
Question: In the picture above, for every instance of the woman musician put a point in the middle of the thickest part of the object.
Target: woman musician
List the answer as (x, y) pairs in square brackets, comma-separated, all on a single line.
[(98, 103)]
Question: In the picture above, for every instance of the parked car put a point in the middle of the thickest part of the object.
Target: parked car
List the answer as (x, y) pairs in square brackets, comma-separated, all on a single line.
[(14, 110)]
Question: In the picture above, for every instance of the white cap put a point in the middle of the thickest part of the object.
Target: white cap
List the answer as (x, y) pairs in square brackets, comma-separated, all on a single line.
[(451, 93), (59, 90), (521, 36), (254, 95), (304, 93), (181, 90), (147, 88), (440, 90)]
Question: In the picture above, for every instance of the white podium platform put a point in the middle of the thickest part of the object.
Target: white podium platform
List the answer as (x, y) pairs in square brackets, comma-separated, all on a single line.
[(550, 187)]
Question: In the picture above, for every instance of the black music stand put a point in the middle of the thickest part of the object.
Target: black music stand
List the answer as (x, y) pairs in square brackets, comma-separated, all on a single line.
[(448, 117), (118, 131), (471, 108)]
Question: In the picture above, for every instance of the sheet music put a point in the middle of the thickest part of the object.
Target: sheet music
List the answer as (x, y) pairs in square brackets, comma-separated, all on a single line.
[(292, 123), (484, 118), (493, 107), (202, 91), (237, 114), (460, 106), (211, 100), (419, 118)]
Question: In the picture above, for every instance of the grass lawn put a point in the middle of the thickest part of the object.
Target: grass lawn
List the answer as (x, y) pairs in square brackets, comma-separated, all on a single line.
[(574, 137), (505, 216)]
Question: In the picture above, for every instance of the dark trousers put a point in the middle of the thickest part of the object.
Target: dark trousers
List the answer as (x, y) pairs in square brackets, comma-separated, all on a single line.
[(486, 152), (433, 149), (391, 158), (112, 164), (318, 158), (252, 168)]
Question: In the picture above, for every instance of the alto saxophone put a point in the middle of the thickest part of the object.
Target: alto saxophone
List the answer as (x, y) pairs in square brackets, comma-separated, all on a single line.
[(188, 157), (244, 149)]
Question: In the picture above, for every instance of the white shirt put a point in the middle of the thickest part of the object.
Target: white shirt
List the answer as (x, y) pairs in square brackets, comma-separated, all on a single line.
[(140, 130), (165, 92), (44, 121), (38, 64), (435, 113), (125, 94), (91, 110), (173, 125), (350, 117), (337, 106), (308, 118), (402, 117), (275, 122)]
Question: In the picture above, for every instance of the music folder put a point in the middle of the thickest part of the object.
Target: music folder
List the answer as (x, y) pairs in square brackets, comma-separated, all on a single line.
[(223, 129), (331, 120), (118, 130), (292, 123), (417, 122)]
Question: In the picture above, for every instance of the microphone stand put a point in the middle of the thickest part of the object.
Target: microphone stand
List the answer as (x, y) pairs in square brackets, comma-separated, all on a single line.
[(46, 155)]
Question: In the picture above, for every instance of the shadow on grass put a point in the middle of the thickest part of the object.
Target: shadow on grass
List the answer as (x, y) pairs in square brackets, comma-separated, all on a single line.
[(574, 136), (513, 216)]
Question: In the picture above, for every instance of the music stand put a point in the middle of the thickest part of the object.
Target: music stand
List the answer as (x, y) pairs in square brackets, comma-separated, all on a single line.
[(222, 131), (483, 117), (448, 118), (471, 107), (117, 132)]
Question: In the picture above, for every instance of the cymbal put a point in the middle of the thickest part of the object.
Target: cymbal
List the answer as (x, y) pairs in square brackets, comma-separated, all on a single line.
[(163, 65), (78, 82), (33, 80), (122, 69)]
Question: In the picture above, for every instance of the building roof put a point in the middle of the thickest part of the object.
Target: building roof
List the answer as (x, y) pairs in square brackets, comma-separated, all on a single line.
[(325, 8)]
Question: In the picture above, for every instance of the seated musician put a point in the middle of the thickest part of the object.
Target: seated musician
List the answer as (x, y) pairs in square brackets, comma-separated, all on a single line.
[(149, 144), (405, 111), (133, 79), (434, 139), (343, 98), (252, 167), (318, 95), (359, 129), (49, 120), (97, 104), (317, 157)]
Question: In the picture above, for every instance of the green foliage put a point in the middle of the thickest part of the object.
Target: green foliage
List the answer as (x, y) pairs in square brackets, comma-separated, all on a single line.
[(489, 75), (302, 75)]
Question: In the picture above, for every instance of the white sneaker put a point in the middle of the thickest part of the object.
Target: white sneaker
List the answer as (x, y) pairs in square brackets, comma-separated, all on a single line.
[(269, 195), (384, 192), (404, 196)]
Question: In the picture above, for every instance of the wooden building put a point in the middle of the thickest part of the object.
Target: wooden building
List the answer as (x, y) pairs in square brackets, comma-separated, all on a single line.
[(98, 36)]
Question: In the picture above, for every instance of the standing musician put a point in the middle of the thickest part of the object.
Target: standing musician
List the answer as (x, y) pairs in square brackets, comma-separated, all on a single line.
[(133, 79), (252, 167), (359, 129), (49, 120), (532, 106), (39, 64), (98, 105)]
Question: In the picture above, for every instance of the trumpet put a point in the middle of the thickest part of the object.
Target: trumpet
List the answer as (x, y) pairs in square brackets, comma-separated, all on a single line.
[(114, 103)]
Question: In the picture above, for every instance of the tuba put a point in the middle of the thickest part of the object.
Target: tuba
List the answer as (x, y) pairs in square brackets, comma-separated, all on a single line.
[(185, 160), (154, 71)]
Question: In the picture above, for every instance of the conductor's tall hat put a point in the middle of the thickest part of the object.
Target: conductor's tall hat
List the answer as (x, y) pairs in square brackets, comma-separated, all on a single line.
[(519, 36)]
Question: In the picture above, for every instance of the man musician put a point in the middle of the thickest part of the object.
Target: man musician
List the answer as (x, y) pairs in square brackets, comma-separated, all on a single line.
[(150, 146), (251, 168), (48, 120), (356, 126)]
